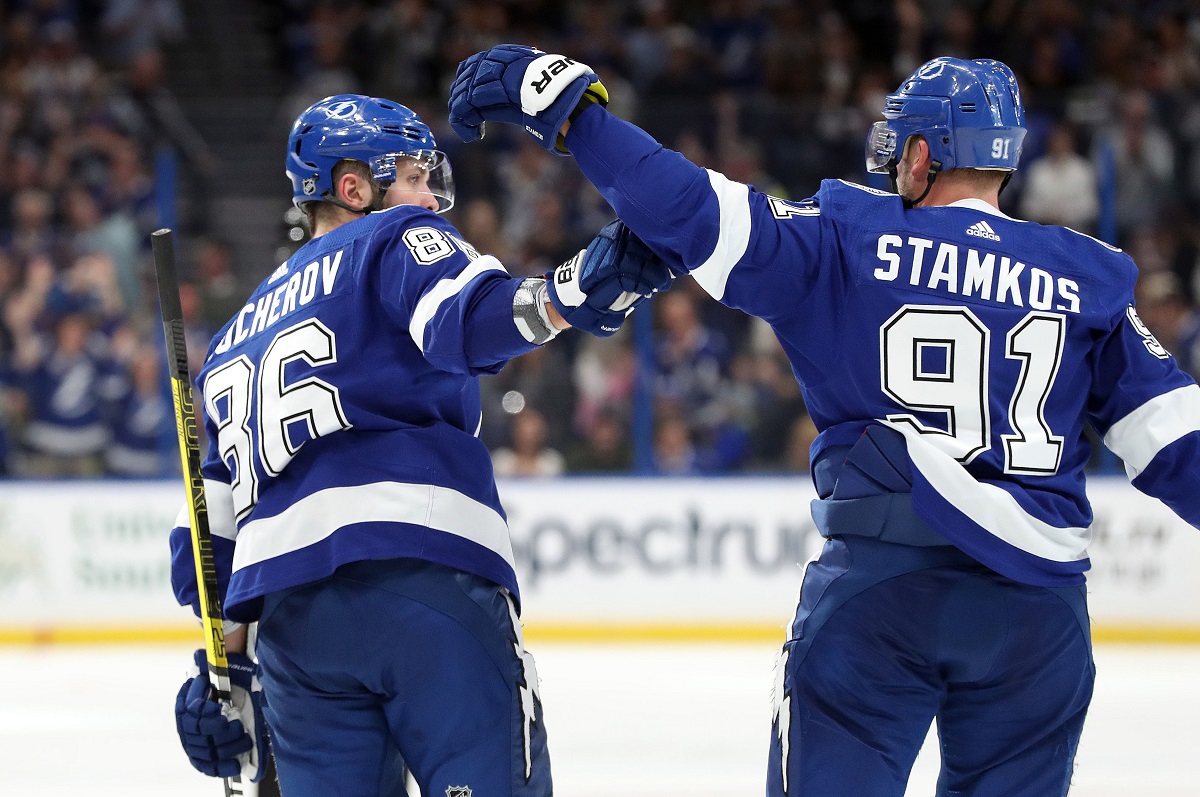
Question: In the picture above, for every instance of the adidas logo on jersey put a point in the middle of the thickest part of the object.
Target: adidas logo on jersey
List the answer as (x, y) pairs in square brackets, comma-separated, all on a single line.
[(982, 230)]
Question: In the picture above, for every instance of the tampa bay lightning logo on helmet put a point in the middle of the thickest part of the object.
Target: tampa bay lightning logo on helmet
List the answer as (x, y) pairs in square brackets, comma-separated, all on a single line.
[(378, 132), (343, 110), (969, 112), (931, 69)]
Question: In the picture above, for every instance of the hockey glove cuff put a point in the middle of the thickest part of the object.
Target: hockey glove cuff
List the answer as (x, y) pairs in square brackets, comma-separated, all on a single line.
[(224, 741), (520, 85)]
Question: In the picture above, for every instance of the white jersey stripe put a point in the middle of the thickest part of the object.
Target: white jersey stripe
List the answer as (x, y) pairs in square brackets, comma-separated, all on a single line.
[(445, 289), (733, 199), (318, 515), (218, 498), (1162, 420), (990, 507)]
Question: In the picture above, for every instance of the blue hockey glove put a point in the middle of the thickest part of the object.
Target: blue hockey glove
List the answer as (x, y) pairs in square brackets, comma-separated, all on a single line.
[(521, 85), (597, 288), (221, 741)]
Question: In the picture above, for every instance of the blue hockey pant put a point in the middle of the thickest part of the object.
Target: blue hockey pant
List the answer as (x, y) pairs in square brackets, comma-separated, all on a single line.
[(401, 660), (887, 638)]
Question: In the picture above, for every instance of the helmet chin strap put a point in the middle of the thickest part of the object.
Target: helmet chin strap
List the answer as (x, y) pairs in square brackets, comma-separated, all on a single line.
[(909, 204)]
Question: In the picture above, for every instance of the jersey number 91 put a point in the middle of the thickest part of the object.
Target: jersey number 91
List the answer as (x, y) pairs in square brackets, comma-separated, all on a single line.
[(936, 359)]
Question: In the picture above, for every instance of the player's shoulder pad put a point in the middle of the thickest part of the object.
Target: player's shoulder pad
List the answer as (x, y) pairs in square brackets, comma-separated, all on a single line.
[(217, 338), (845, 201), (784, 209), (841, 185), (399, 221), (426, 237), (1107, 246), (403, 216), (280, 271), (1118, 267)]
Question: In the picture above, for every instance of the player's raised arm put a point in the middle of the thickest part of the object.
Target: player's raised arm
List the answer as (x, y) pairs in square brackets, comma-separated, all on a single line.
[(696, 219), (469, 316)]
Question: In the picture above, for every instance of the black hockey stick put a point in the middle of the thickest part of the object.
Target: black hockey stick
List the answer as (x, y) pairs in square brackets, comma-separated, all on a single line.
[(189, 452)]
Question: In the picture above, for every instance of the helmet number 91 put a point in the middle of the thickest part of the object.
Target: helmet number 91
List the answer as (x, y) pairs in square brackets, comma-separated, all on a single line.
[(1000, 148)]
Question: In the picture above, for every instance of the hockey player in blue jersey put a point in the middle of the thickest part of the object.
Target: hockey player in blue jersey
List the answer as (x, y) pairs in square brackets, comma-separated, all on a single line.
[(950, 356), (352, 504)]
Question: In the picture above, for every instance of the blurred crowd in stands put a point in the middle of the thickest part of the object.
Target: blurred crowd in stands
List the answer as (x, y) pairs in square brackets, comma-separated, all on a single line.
[(83, 112), (773, 93)]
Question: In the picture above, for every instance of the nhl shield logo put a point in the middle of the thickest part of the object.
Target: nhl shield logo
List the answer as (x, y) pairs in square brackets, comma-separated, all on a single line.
[(458, 791), (310, 185)]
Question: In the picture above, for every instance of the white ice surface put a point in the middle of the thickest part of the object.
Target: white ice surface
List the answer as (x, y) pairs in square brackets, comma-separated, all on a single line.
[(634, 721)]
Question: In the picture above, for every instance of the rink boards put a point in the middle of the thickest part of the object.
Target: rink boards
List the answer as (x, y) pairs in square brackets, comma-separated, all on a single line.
[(613, 559)]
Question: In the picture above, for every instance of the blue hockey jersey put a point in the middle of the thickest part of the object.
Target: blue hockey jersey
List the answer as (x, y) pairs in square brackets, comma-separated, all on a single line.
[(342, 405), (986, 341)]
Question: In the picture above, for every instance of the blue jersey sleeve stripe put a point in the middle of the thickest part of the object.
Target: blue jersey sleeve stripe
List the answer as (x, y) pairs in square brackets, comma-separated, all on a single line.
[(1139, 436), (446, 289), (989, 507), (734, 236), (318, 515)]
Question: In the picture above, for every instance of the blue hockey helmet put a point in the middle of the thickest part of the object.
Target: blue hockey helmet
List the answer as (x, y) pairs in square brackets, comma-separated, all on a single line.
[(374, 131), (969, 112)]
